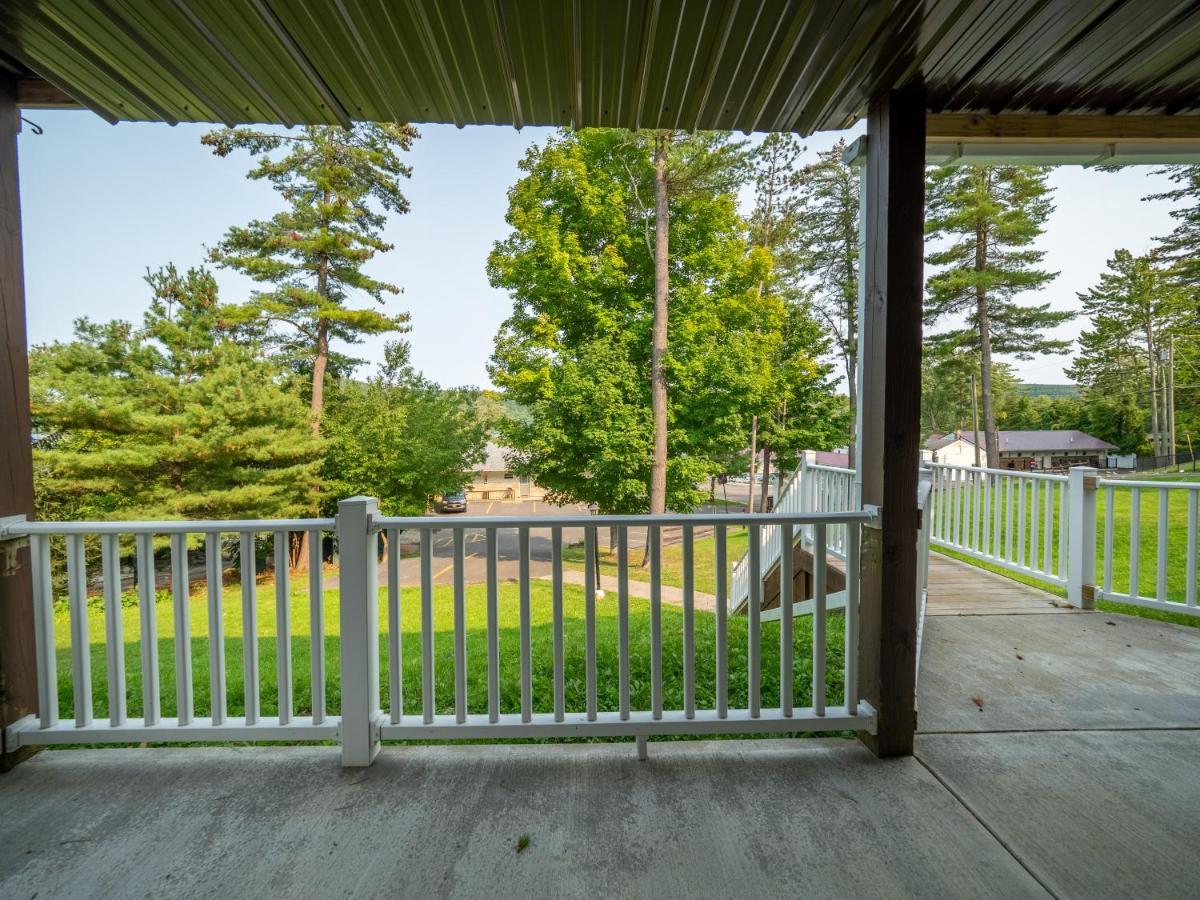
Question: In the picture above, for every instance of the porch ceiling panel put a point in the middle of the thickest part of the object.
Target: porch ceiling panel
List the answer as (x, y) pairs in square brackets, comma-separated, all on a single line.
[(791, 65)]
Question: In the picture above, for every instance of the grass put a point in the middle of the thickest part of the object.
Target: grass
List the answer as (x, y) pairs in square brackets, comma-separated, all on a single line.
[(542, 658), (1147, 547), (705, 561)]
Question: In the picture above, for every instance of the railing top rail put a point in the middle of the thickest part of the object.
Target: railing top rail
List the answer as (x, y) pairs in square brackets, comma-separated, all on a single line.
[(840, 470), (1130, 483), (670, 519), (166, 526), (1014, 473)]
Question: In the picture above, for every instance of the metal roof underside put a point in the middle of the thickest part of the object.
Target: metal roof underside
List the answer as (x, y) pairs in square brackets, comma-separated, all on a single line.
[(781, 65)]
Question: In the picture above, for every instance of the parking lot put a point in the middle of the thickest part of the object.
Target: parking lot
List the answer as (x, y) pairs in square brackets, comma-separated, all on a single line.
[(507, 555)]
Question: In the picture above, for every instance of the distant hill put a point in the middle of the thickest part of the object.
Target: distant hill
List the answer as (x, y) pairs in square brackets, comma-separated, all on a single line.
[(1048, 390)]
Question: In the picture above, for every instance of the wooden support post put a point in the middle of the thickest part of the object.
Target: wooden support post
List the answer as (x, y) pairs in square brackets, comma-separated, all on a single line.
[(18, 666), (890, 401)]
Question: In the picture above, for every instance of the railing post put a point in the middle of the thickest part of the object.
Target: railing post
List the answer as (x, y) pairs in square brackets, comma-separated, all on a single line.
[(1081, 536), (358, 583)]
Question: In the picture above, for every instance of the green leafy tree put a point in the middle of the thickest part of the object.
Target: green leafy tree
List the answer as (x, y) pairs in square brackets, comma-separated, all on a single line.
[(576, 352), (796, 407), (684, 165), (1182, 246), (339, 187), (946, 373), (399, 437), (982, 222), (182, 418), (827, 254), (1133, 311)]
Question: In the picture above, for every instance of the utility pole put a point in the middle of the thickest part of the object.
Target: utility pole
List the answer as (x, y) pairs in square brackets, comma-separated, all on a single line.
[(1171, 398), (753, 451), (975, 420)]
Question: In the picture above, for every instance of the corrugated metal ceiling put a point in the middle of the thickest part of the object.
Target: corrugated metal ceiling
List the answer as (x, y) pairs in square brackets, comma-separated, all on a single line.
[(786, 65)]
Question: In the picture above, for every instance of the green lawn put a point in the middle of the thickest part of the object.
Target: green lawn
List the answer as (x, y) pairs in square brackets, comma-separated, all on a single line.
[(705, 565), (1148, 534), (541, 623)]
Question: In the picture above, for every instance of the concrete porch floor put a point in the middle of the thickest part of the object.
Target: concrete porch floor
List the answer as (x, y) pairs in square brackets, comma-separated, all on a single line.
[(1078, 777)]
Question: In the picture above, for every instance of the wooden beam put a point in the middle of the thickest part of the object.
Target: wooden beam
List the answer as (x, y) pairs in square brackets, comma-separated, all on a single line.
[(891, 401), (18, 668), (37, 93), (969, 128)]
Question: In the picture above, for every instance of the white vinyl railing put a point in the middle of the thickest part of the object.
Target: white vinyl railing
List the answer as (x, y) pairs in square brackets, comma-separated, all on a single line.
[(1014, 520), (1175, 508), (1050, 528), (69, 541), (508, 707), (810, 488)]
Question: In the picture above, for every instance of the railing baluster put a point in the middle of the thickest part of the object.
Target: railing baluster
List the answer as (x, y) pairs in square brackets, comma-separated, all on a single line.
[(786, 594), (316, 614), (556, 570), (689, 624), (283, 628), (1021, 520), (460, 626), (427, 697), (719, 544), (1035, 490), (110, 562), (1008, 517), (213, 578), (1063, 528), (851, 654), (985, 545), (1160, 587), (1135, 541), (997, 503), (43, 630), (1193, 531), (652, 536), (395, 630), (820, 575), (184, 706), (589, 607), (148, 617), (493, 627), (81, 651), (1048, 530), (1109, 502), (526, 648), (623, 619), (754, 609), (250, 686)]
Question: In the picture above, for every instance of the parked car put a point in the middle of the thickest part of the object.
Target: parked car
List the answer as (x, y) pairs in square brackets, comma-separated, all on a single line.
[(452, 503)]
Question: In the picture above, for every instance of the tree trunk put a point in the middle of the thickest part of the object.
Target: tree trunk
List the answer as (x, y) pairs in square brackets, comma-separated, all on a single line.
[(990, 437), (766, 477), (1156, 442), (317, 405), (658, 370)]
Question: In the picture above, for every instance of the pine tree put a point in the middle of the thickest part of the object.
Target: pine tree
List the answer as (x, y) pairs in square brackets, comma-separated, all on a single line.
[(982, 222), (340, 187), (180, 419), (1133, 311), (827, 249)]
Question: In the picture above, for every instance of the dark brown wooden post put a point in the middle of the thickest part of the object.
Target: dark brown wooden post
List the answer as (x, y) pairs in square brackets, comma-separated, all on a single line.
[(891, 404), (18, 672)]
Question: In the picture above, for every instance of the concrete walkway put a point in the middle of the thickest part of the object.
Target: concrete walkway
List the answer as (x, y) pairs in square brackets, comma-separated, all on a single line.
[(670, 594)]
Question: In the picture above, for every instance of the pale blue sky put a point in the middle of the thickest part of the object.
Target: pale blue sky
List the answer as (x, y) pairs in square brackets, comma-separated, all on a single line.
[(101, 203)]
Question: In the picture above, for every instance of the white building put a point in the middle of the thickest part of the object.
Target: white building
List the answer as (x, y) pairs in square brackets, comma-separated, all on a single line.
[(493, 480), (1021, 449)]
